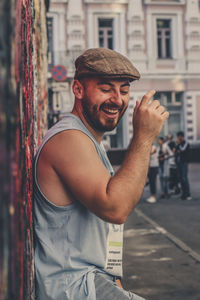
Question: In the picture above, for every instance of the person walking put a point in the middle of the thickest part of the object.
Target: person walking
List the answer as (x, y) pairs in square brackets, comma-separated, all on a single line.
[(182, 160), (152, 174), (164, 156), (161, 165), (173, 172)]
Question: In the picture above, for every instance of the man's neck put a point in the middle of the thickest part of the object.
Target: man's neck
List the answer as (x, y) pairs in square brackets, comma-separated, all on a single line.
[(96, 134)]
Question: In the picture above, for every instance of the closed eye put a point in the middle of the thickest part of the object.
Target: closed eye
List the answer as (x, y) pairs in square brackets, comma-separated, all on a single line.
[(124, 92), (106, 90)]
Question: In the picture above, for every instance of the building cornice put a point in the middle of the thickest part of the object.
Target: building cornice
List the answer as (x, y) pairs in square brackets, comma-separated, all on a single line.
[(164, 2), (107, 1), (170, 76), (58, 1)]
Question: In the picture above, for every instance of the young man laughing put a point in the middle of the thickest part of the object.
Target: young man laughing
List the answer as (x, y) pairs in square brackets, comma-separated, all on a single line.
[(80, 205)]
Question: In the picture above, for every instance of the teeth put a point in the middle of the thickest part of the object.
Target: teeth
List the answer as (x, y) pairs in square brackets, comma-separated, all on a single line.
[(111, 110)]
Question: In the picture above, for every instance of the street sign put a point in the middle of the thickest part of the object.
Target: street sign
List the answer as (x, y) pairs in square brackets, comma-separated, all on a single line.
[(59, 73)]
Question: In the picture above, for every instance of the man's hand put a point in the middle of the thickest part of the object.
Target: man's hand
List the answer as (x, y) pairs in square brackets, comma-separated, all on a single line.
[(148, 117)]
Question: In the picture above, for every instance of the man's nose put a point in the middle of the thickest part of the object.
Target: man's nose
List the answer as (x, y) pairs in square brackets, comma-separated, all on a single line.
[(116, 98)]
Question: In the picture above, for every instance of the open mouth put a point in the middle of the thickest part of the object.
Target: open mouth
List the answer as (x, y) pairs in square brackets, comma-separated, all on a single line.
[(110, 111)]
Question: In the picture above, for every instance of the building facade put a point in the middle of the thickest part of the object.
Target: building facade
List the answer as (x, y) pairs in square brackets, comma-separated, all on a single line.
[(161, 38)]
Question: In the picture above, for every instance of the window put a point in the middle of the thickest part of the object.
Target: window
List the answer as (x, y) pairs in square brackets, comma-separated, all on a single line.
[(164, 38), (197, 117), (106, 33), (50, 41), (173, 103), (170, 98)]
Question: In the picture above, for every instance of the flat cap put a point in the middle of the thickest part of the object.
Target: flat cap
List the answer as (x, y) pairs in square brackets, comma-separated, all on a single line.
[(103, 62)]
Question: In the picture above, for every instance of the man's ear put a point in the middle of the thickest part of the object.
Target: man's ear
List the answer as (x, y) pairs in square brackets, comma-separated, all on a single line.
[(78, 89)]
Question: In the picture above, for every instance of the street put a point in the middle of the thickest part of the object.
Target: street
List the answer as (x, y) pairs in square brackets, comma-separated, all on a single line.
[(162, 246)]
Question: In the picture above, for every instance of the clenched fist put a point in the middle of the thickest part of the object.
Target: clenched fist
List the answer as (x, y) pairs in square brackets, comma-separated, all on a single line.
[(148, 117)]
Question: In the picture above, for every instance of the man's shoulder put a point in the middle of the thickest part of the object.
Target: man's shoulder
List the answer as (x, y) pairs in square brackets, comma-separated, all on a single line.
[(185, 145), (68, 140)]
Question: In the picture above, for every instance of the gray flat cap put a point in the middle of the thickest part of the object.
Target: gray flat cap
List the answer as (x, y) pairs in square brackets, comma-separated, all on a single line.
[(103, 62)]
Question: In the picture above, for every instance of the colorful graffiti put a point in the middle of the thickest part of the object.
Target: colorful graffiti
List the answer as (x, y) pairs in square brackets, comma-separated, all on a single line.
[(23, 122)]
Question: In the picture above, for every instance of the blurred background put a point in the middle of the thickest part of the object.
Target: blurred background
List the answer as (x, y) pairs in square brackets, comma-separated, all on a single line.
[(39, 42)]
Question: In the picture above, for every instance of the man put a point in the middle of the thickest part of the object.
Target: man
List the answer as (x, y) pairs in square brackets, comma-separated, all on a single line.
[(182, 159), (173, 173), (161, 159), (80, 205), (152, 174), (165, 156)]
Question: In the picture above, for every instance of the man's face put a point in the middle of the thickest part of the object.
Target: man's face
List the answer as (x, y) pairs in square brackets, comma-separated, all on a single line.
[(180, 138), (104, 102)]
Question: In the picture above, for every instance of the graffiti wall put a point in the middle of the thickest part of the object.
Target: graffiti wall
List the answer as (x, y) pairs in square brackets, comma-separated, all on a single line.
[(23, 122)]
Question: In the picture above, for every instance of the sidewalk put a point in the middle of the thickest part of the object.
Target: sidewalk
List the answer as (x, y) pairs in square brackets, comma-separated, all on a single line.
[(154, 267), (162, 246)]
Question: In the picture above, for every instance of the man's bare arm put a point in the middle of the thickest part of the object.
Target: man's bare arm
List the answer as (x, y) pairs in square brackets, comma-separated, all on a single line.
[(148, 120), (77, 164)]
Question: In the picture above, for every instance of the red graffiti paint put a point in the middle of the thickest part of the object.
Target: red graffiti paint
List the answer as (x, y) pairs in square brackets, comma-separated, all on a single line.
[(24, 115)]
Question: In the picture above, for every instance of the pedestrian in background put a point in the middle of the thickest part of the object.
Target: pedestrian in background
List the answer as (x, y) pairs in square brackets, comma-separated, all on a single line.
[(152, 174), (164, 154), (173, 172), (182, 159), (161, 166)]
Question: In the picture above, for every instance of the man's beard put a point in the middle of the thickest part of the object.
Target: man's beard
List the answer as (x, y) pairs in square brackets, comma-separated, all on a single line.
[(91, 114)]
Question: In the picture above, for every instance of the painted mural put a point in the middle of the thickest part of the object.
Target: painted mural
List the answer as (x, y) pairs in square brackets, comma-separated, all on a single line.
[(23, 122)]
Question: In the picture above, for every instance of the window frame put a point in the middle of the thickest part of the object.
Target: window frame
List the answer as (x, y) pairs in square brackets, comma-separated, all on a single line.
[(106, 35), (176, 37), (119, 23), (50, 37), (162, 34), (162, 96)]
